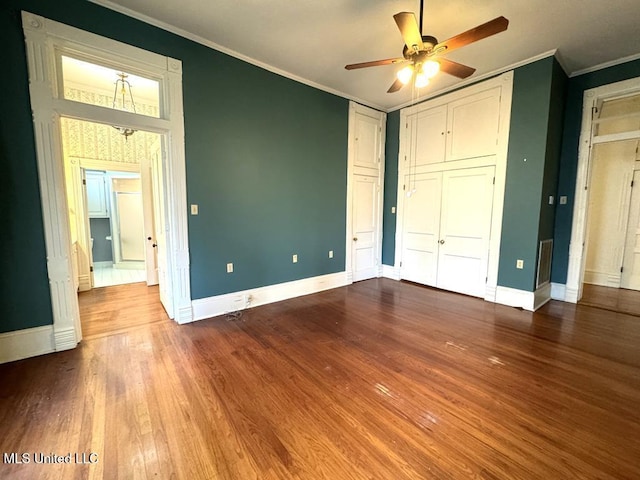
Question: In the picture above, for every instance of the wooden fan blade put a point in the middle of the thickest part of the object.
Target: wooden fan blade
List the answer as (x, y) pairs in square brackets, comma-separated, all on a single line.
[(375, 63), (397, 85), (456, 69), (485, 30), (408, 26)]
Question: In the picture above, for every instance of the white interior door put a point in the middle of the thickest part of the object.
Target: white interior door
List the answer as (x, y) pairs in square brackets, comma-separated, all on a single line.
[(161, 237), (631, 263), (365, 195), (150, 252), (421, 227), (365, 198), (465, 228), (87, 225)]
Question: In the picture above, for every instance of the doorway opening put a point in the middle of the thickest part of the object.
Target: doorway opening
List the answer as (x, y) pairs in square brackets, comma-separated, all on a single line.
[(604, 262), (54, 98)]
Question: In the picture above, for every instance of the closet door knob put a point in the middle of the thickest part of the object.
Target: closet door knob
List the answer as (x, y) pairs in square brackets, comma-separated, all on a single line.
[(355, 239), (441, 242)]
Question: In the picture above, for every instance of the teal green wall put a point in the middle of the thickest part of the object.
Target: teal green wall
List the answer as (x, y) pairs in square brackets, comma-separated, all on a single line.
[(557, 102), (390, 188), (523, 192), (265, 157), (569, 157), (24, 285)]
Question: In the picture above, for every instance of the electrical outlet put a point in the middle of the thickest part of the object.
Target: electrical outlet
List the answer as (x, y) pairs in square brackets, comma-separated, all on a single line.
[(229, 267), (194, 209), (520, 264), (295, 258), (551, 199), (563, 199), (330, 253)]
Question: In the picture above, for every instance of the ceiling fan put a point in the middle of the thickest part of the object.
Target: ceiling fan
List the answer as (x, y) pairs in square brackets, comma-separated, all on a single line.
[(423, 53)]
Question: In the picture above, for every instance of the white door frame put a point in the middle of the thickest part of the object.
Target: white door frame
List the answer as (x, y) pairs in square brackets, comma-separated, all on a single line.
[(45, 40), (355, 108), (592, 98)]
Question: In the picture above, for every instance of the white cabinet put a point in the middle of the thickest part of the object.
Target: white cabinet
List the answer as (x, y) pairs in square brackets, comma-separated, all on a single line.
[(452, 169), (97, 195)]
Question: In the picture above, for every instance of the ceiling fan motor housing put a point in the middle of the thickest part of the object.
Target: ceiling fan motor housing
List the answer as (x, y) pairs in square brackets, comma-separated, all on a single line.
[(428, 41)]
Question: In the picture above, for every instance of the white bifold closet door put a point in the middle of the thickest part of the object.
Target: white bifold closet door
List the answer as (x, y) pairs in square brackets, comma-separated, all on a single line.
[(446, 229)]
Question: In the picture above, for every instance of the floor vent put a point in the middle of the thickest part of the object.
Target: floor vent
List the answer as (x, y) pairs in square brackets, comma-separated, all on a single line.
[(544, 262)]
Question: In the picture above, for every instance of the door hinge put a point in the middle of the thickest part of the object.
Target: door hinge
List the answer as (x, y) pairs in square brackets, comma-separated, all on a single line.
[(631, 183), (404, 187), (91, 268), (400, 263), (406, 125), (494, 180), (84, 181), (594, 111), (621, 269)]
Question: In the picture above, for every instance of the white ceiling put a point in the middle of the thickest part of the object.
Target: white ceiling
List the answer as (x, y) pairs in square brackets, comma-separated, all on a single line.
[(312, 41)]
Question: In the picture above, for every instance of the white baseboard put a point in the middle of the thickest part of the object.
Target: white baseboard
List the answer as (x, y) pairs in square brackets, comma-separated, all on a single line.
[(389, 271), (30, 342), (541, 296), (558, 291), (232, 302), (84, 283), (603, 279), (523, 299), (105, 264)]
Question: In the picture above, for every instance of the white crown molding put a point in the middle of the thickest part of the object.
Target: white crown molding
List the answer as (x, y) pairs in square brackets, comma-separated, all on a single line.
[(473, 80), (208, 43), (232, 302), (604, 65)]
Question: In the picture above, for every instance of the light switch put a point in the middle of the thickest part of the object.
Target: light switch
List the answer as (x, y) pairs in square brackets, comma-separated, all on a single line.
[(330, 253), (563, 199), (229, 267), (393, 209), (295, 258), (194, 209), (551, 199)]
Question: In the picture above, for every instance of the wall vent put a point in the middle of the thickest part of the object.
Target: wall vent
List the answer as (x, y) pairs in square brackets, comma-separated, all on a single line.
[(544, 262)]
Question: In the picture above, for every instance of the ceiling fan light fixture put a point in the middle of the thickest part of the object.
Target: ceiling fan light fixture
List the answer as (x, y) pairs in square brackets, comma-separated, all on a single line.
[(421, 80), (405, 74), (430, 68)]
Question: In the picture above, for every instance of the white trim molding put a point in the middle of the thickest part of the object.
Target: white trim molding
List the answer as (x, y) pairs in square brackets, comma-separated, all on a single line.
[(558, 291), (235, 301), (45, 41), (26, 343), (530, 301), (389, 271)]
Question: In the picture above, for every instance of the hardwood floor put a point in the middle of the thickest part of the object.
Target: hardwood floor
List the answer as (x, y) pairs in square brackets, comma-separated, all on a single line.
[(109, 310), (615, 299), (377, 380)]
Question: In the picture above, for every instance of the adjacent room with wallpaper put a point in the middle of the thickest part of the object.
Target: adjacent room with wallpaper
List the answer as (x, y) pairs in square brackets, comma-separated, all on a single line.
[(359, 239)]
